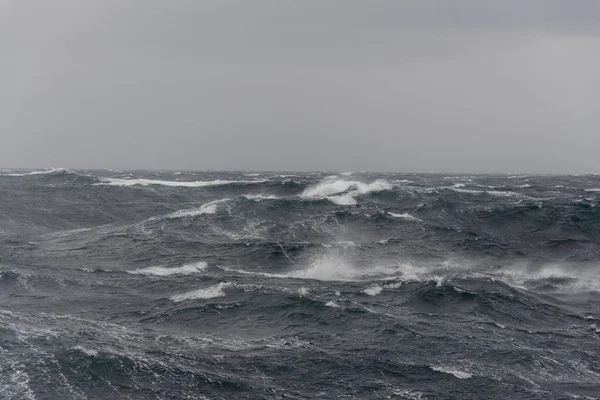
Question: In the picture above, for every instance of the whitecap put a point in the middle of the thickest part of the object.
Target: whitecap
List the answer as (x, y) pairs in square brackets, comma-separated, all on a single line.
[(332, 304), (593, 190), (87, 352), (41, 172), (331, 187), (193, 184), (206, 293), (208, 208), (344, 200), (343, 192), (404, 216), (373, 290), (456, 373), (260, 197), (187, 269), (332, 268)]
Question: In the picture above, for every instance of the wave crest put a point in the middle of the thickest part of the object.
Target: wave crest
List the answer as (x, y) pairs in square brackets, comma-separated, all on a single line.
[(344, 192), (206, 293), (192, 184), (162, 271)]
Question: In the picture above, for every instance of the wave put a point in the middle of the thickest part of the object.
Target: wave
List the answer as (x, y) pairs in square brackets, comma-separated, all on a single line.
[(553, 277), (187, 269), (454, 372), (206, 293), (405, 216), (373, 290), (335, 268), (343, 192), (208, 208), (42, 172), (260, 197), (193, 184)]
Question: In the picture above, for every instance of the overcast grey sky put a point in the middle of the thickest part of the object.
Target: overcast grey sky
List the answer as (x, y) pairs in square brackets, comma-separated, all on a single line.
[(423, 86)]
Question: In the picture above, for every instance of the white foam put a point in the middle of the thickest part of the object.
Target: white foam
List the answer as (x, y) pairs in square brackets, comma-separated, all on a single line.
[(373, 290), (346, 243), (343, 192), (207, 293), (208, 208), (194, 184), (260, 197), (87, 352), (343, 200), (346, 173), (303, 291), (187, 269), (41, 172), (593, 190), (456, 373), (332, 304), (335, 268), (576, 278), (404, 216), (459, 185), (495, 193)]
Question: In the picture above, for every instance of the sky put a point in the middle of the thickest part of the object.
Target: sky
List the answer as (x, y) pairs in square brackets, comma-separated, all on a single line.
[(348, 85)]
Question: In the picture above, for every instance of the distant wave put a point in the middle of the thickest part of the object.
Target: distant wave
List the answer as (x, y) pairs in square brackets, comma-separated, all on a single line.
[(343, 192), (187, 269), (194, 184), (42, 172), (207, 293)]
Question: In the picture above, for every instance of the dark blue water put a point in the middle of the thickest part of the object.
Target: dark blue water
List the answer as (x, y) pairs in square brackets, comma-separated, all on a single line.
[(201, 285)]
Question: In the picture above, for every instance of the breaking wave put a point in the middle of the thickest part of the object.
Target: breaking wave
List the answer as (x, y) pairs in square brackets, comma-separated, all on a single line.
[(343, 192), (207, 293), (194, 184), (187, 269)]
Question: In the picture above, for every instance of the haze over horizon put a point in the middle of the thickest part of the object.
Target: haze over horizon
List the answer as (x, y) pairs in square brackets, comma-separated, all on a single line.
[(416, 86)]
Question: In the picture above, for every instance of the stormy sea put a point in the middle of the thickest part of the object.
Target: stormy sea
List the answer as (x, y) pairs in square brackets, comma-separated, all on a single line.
[(238, 285)]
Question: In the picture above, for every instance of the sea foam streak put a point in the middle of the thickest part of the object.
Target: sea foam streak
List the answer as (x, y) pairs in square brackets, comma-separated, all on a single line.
[(162, 271), (194, 184), (207, 293)]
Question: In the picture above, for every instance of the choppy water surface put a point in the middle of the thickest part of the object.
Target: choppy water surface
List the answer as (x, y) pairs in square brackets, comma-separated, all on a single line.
[(137, 284)]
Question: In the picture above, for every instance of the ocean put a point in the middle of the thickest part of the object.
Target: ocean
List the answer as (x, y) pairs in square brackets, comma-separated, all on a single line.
[(239, 285)]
